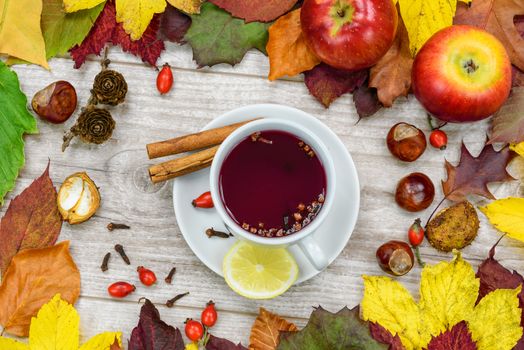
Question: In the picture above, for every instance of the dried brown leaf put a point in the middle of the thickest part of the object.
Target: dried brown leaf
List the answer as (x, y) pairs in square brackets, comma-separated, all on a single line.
[(266, 330), (32, 279), (507, 125)]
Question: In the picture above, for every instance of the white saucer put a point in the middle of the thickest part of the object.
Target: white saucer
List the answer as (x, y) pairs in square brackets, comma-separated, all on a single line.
[(332, 236)]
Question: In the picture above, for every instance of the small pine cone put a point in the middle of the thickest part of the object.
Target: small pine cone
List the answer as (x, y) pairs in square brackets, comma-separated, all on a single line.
[(95, 125), (109, 87)]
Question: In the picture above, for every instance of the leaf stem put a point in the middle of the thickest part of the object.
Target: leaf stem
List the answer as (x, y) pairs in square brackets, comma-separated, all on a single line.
[(417, 255), (435, 210)]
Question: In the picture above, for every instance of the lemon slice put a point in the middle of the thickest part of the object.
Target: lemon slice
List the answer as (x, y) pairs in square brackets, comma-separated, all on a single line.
[(256, 272)]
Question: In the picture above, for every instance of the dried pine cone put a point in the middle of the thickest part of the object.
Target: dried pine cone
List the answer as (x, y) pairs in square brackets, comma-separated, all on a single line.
[(109, 87), (95, 125)]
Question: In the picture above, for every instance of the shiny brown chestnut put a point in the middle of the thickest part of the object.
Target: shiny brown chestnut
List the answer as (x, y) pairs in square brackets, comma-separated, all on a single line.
[(56, 102), (395, 257), (415, 192), (406, 142)]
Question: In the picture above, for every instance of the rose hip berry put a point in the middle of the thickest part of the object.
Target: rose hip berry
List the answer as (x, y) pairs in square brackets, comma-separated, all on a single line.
[(120, 289), (416, 233), (194, 330), (209, 315), (438, 139), (203, 201), (147, 277), (164, 80)]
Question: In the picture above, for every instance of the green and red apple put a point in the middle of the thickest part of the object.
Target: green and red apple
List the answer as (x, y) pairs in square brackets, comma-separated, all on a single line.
[(462, 74), (349, 34)]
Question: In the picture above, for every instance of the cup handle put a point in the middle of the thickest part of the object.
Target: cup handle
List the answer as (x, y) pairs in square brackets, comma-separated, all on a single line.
[(313, 252)]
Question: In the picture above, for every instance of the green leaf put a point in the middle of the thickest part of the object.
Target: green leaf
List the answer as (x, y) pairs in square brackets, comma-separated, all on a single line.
[(15, 120), (327, 331), (217, 37)]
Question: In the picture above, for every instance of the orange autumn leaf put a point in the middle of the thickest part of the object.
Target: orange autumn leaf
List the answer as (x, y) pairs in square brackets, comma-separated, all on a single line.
[(287, 49), (32, 279), (266, 330)]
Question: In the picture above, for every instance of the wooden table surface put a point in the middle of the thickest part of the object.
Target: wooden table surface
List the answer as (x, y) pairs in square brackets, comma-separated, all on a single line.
[(119, 168)]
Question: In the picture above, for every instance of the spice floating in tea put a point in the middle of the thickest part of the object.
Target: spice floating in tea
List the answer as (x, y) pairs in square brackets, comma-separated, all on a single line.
[(257, 137), (120, 250), (105, 262), (169, 277), (171, 302), (210, 232), (114, 226)]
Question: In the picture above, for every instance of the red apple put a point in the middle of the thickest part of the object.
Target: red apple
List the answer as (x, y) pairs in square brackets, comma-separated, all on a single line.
[(349, 34), (462, 74)]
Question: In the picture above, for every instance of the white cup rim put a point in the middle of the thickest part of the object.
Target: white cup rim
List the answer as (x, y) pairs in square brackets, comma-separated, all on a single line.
[(301, 132)]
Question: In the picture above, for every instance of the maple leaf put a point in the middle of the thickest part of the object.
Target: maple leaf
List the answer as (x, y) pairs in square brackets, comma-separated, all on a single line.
[(327, 84), (21, 35), (287, 49), (326, 331), (391, 76), (366, 101), (458, 338), (16, 121), (497, 18), (31, 221), (152, 333), (384, 336), (507, 125), (32, 279), (423, 18), (518, 148), (266, 330), (173, 25), (256, 10), (216, 37), (216, 343), (106, 30), (507, 215), (56, 327), (448, 294), (472, 174)]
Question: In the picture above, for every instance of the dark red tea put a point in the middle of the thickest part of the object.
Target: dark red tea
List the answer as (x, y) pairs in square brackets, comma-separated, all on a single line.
[(272, 184)]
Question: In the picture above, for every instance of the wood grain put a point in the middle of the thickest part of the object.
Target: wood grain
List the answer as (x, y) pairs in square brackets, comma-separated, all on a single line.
[(120, 169)]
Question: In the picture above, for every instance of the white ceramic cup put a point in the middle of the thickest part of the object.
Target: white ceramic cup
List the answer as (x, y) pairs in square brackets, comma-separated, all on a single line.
[(305, 238)]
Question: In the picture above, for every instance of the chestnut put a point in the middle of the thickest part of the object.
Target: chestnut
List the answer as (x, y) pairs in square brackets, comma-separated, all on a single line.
[(395, 257), (415, 192), (56, 102), (406, 142)]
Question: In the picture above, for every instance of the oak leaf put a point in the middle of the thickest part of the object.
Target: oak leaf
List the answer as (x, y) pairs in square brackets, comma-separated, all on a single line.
[(31, 221), (173, 25), (423, 18), (287, 49), (391, 76), (458, 338), (152, 333), (327, 331), (266, 330), (256, 10), (216, 343), (472, 174), (107, 30), (216, 37), (20, 32), (507, 125), (327, 84), (32, 279), (448, 294), (507, 215), (16, 121), (56, 327), (497, 18)]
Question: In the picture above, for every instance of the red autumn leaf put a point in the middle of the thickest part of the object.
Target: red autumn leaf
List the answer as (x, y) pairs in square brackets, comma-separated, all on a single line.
[(152, 333), (107, 30), (458, 338), (216, 343), (493, 276), (256, 10), (173, 25), (31, 221), (472, 174), (383, 336), (327, 84), (366, 101)]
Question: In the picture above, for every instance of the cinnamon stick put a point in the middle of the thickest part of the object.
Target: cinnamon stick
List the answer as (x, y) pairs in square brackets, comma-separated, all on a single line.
[(192, 142), (182, 166)]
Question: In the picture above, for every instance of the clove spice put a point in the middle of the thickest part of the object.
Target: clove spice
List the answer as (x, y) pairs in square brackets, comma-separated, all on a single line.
[(114, 226), (105, 262), (172, 301), (210, 232), (120, 250), (169, 277)]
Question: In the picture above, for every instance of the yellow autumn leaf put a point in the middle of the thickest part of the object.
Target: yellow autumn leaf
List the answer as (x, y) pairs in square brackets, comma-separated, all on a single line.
[(191, 346), (56, 327), (519, 148), (423, 18), (507, 215), (188, 6), (448, 292), (20, 33)]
